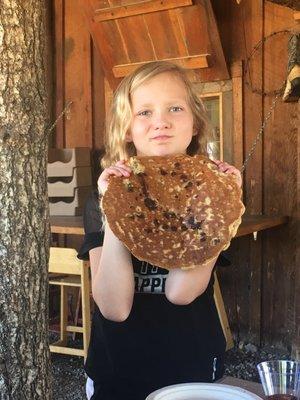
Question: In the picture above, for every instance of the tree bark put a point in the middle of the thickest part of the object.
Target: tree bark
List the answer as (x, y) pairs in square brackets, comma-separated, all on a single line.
[(24, 220)]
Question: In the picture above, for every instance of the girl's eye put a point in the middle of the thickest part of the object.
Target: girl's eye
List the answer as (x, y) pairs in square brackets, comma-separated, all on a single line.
[(144, 113), (176, 108)]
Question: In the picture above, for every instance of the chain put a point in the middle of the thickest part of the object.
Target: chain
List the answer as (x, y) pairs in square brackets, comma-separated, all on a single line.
[(256, 48), (261, 131), (64, 111)]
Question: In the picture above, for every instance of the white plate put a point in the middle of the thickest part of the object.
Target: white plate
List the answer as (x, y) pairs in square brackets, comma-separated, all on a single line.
[(202, 391)]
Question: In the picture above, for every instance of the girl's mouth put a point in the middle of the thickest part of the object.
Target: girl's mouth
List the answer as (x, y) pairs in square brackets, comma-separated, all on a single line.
[(161, 137)]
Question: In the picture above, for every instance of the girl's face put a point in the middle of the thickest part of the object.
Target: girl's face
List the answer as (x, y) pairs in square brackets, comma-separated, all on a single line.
[(162, 120)]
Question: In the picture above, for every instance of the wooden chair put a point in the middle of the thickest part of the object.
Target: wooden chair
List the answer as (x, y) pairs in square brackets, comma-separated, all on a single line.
[(66, 270), (222, 314)]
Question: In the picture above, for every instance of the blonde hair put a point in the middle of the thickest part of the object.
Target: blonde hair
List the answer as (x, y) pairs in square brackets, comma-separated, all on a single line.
[(116, 146)]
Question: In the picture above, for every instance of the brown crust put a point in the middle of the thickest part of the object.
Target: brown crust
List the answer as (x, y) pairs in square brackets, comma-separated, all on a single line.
[(176, 211)]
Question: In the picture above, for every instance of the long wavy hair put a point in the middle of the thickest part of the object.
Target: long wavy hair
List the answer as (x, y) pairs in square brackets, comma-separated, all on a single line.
[(120, 115)]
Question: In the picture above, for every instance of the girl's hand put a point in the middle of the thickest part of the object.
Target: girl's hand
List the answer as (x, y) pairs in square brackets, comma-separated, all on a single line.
[(119, 169), (229, 169)]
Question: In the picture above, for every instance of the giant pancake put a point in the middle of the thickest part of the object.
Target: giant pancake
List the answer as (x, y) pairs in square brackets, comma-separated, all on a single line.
[(176, 211)]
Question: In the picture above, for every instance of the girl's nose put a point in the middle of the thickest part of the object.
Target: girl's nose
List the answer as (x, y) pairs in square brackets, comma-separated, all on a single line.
[(161, 122)]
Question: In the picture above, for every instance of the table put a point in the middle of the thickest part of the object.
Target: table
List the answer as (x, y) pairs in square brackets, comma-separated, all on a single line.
[(253, 387), (250, 224)]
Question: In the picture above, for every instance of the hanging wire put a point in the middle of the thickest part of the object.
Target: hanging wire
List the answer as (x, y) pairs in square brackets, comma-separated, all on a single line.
[(261, 130), (277, 93), (255, 49)]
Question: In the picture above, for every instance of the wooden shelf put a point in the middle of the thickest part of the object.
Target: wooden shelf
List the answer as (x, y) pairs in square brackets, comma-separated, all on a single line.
[(74, 225), (256, 223), (145, 7), (188, 62)]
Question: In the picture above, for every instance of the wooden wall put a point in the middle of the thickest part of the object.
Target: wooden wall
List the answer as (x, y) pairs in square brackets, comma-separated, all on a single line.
[(264, 307), (262, 287)]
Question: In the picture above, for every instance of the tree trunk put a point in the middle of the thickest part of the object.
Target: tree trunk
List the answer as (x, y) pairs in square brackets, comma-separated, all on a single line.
[(24, 220)]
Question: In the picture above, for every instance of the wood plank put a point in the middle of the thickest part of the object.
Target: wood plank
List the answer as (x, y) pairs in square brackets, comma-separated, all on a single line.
[(73, 328), (197, 39), (237, 110), (144, 7), (177, 33), (204, 38), (99, 39), (114, 39), (293, 4), (67, 225), (161, 34), (222, 314), (78, 125), (252, 224), (108, 96), (139, 47), (191, 62), (296, 339), (66, 350), (253, 387), (59, 17), (98, 100), (246, 32), (280, 321)]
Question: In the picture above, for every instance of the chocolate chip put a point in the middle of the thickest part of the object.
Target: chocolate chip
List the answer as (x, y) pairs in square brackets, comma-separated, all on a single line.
[(169, 214), (149, 203), (148, 230), (188, 185), (163, 172), (177, 165), (192, 223), (173, 173), (140, 215), (183, 177), (173, 228)]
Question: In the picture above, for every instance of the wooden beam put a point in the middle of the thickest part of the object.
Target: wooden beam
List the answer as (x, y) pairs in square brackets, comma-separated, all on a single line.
[(145, 7), (237, 108), (188, 62), (294, 4)]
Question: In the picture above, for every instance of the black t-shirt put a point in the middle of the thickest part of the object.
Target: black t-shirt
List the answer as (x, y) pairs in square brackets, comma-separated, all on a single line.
[(160, 343)]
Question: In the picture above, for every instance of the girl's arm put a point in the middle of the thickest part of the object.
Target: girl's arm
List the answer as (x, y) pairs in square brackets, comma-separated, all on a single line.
[(112, 278), (111, 264), (183, 286)]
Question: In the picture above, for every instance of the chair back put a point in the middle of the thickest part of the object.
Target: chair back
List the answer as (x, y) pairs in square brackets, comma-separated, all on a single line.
[(63, 260)]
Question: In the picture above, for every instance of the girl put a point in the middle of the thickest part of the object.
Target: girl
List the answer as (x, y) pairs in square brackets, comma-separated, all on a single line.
[(151, 327)]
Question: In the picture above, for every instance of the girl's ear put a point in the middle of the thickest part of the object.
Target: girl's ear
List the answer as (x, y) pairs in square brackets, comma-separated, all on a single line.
[(128, 137), (195, 132)]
